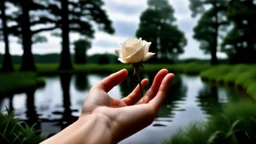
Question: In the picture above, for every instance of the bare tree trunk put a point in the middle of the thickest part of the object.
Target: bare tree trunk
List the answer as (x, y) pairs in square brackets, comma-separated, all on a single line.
[(214, 59), (7, 61), (28, 63), (65, 62)]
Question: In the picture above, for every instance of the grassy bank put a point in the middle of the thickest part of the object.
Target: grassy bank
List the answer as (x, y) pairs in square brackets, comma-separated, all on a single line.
[(239, 76), (17, 82), (11, 131), (237, 124), (51, 69)]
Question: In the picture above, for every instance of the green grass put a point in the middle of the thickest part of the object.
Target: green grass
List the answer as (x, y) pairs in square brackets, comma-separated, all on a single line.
[(16, 82), (240, 76), (216, 73), (11, 131), (52, 69), (191, 68), (237, 124)]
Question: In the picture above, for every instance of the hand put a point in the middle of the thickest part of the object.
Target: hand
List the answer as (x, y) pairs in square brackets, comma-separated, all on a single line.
[(110, 120)]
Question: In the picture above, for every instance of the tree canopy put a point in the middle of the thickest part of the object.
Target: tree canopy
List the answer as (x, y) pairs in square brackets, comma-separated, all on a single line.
[(157, 26), (240, 41), (211, 21), (78, 16), (31, 17)]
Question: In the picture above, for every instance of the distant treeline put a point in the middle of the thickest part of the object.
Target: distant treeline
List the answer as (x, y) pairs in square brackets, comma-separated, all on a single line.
[(97, 59), (55, 58), (202, 61)]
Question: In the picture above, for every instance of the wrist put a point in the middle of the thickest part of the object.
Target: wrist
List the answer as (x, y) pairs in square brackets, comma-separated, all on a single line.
[(97, 128), (88, 129)]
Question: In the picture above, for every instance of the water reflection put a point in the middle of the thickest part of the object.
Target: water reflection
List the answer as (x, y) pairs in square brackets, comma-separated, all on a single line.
[(213, 99), (208, 99), (59, 104), (10, 103), (175, 96), (31, 113), (67, 118), (81, 82), (129, 84)]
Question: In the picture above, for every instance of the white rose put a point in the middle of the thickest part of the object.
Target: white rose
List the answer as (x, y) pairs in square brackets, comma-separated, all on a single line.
[(134, 51)]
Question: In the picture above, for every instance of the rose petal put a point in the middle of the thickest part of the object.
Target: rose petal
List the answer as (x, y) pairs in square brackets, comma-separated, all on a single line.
[(136, 57), (126, 51), (130, 42), (148, 56), (117, 51), (122, 60), (138, 44), (147, 47)]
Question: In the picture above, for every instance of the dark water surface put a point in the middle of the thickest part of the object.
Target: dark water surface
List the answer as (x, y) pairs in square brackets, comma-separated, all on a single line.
[(59, 104)]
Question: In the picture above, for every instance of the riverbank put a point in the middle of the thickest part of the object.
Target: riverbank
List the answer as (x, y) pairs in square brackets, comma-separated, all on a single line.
[(239, 76), (190, 69), (235, 125), (18, 82)]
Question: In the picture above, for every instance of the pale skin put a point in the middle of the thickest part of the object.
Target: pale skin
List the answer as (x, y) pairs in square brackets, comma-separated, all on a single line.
[(110, 120)]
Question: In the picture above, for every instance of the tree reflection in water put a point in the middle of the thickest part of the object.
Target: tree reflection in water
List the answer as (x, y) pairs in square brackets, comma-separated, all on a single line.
[(81, 82), (11, 108), (67, 118), (31, 113), (212, 99), (208, 100), (129, 84), (175, 96), (62, 118)]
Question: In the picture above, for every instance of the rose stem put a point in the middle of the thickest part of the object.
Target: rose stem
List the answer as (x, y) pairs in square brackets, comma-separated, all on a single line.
[(137, 72)]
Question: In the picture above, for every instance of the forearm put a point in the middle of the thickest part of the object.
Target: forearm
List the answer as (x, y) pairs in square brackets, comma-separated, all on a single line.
[(89, 129)]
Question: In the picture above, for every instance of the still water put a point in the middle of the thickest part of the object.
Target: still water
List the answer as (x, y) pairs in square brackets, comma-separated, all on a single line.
[(59, 104)]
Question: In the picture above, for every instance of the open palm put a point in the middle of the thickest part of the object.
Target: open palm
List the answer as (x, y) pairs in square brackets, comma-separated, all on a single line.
[(128, 115)]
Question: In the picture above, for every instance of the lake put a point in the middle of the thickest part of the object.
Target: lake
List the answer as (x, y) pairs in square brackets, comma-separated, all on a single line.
[(59, 104)]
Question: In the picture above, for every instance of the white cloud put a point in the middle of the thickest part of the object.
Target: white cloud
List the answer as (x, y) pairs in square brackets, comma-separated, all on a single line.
[(124, 17), (103, 37), (127, 2)]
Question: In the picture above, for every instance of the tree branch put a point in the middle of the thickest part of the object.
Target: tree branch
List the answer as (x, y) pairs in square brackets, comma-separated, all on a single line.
[(44, 29), (43, 20)]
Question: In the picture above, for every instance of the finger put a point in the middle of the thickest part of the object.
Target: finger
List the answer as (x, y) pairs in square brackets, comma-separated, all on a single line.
[(135, 94), (155, 86), (114, 79), (161, 94)]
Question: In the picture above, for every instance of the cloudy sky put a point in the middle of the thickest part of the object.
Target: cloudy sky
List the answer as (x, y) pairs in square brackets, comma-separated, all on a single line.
[(125, 17)]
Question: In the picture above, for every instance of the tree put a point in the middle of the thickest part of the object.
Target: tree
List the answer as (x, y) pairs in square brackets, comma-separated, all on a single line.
[(7, 61), (157, 26), (81, 47), (240, 41), (209, 24), (28, 16), (78, 16)]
